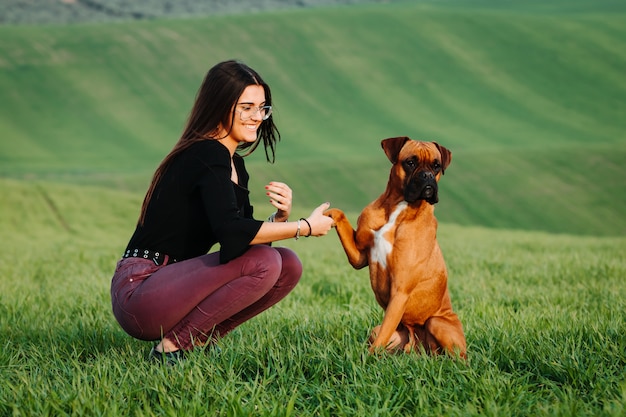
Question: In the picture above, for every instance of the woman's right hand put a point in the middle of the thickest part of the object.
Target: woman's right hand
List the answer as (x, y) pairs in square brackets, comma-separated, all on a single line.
[(320, 223)]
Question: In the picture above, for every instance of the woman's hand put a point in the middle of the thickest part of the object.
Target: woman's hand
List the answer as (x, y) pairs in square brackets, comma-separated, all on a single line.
[(320, 223), (281, 198), (274, 231)]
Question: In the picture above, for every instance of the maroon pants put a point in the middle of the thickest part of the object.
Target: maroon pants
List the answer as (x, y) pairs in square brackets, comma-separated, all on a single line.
[(192, 301)]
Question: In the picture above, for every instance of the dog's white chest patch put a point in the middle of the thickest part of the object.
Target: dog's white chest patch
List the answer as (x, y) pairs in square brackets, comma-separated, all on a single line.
[(382, 247)]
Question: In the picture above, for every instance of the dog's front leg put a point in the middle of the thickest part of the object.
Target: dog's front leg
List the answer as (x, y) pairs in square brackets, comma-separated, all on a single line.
[(347, 235), (393, 314)]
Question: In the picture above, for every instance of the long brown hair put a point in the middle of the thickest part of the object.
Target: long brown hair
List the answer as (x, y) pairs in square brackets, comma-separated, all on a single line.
[(212, 109)]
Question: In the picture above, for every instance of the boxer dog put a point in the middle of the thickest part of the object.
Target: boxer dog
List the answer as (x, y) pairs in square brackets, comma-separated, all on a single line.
[(396, 236)]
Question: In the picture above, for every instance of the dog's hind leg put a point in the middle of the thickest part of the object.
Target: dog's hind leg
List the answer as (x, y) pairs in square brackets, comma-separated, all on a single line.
[(399, 339), (448, 331), (420, 338)]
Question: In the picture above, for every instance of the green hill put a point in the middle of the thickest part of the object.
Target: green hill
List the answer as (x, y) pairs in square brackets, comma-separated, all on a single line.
[(530, 97)]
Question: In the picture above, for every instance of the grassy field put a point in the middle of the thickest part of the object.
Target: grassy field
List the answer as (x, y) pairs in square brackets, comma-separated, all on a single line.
[(529, 96), (544, 315)]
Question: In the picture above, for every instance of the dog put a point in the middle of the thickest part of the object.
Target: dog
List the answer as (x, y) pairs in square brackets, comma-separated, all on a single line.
[(396, 236)]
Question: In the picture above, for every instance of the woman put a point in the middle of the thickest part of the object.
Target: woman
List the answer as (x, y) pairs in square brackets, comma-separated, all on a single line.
[(166, 288)]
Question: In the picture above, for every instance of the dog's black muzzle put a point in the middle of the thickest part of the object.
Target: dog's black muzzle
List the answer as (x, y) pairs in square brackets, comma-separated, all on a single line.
[(422, 186)]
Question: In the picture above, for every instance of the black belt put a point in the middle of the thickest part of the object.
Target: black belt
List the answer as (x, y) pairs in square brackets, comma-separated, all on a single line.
[(157, 257)]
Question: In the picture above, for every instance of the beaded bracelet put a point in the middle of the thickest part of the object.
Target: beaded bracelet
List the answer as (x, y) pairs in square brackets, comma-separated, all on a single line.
[(298, 231)]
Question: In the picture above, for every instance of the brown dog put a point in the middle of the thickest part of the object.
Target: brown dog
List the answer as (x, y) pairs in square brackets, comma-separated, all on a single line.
[(397, 237)]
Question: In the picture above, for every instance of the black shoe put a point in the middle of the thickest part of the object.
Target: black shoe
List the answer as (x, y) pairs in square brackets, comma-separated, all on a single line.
[(167, 358)]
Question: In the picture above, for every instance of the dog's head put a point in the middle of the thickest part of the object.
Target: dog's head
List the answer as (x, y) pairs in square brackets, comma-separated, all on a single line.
[(417, 167)]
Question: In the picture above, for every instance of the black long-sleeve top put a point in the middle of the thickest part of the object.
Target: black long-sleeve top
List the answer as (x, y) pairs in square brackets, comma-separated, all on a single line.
[(196, 205)]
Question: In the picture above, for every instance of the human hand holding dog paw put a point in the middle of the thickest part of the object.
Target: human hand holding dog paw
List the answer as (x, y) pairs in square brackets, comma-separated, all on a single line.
[(336, 214), (320, 223)]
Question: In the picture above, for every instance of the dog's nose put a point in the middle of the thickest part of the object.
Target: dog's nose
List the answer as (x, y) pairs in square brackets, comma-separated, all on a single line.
[(427, 175)]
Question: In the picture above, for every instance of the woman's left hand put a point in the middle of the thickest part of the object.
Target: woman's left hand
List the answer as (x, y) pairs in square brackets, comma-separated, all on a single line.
[(280, 197)]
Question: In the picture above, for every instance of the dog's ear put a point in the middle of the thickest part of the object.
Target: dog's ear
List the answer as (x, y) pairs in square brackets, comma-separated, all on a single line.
[(392, 147), (446, 157)]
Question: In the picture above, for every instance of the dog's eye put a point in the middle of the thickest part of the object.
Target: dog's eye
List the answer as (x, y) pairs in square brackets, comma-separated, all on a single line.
[(437, 166), (410, 163)]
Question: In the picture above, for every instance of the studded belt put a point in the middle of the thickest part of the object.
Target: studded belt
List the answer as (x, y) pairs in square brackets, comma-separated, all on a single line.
[(157, 257)]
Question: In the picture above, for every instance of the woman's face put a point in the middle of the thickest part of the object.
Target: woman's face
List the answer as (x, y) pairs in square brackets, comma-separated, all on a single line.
[(248, 117)]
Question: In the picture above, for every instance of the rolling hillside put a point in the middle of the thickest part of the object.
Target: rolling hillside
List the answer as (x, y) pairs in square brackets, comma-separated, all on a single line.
[(20, 12), (530, 97)]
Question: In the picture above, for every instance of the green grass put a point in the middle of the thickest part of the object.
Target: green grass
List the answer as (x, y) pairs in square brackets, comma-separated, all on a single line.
[(529, 97), (544, 315)]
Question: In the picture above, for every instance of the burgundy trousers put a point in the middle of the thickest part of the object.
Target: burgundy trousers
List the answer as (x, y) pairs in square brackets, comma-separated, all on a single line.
[(192, 301)]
